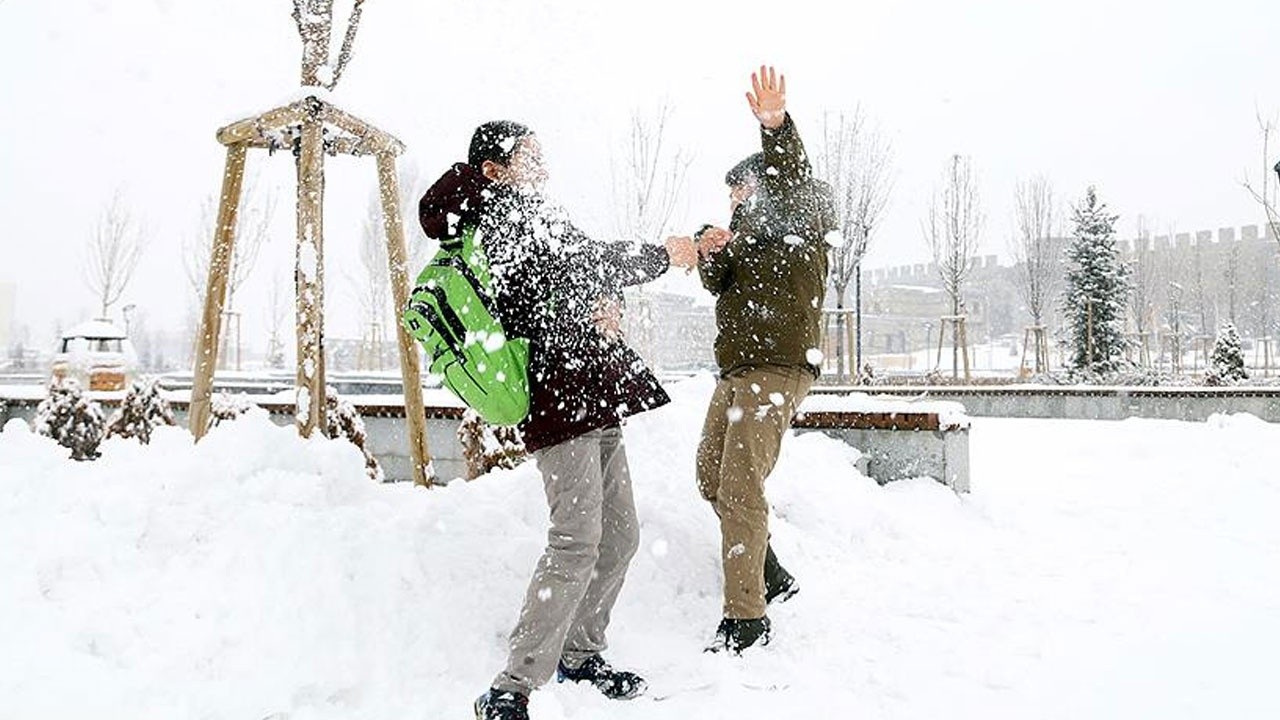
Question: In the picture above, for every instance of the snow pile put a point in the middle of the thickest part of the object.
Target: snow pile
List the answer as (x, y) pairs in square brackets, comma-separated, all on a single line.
[(1097, 570)]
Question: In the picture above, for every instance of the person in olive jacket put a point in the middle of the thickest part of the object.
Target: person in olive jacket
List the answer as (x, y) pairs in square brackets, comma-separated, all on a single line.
[(562, 291), (768, 271)]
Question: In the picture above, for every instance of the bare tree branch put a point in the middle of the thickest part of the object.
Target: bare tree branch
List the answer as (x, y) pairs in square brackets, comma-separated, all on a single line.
[(1144, 280), (1037, 247), (953, 228), (372, 285), (253, 226), (279, 304), (856, 162), (113, 253), (647, 180), (1267, 192), (348, 40)]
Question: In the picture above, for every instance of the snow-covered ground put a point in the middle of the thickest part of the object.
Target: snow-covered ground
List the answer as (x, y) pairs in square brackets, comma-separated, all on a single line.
[(1098, 570)]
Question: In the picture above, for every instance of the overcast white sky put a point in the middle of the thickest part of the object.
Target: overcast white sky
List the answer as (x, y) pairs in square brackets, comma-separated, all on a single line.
[(1152, 101)]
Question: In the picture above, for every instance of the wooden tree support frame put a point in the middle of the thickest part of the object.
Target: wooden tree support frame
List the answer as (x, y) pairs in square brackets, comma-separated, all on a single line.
[(1036, 338), (310, 128), (960, 344)]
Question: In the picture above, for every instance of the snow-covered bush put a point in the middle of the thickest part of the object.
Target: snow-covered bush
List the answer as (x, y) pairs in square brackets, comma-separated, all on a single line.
[(343, 421), (141, 411), (1227, 364), (224, 407), (71, 419), (1145, 377), (486, 447)]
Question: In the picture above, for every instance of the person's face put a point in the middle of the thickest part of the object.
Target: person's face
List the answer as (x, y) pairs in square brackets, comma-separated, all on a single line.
[(739, 194), (525, 169)]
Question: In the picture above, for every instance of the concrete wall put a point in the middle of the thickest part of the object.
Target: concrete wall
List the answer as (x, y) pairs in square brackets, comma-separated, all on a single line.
[(1190, 404)]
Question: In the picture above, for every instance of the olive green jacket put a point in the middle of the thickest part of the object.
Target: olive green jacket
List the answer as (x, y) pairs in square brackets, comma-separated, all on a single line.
[(770, 279)]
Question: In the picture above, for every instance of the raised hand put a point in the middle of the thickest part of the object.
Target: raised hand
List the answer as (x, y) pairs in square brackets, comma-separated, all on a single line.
[(768, 97)]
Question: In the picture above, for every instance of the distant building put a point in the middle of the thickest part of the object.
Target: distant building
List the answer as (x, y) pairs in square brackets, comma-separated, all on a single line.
[(672, 332), (1188, 285)]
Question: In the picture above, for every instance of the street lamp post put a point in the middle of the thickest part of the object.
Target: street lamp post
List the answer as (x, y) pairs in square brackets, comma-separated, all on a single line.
[(127, 312)]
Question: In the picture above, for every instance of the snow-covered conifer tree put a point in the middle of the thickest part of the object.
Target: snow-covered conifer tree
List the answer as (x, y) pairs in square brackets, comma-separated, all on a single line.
[(1096, 292), (1227, 364)]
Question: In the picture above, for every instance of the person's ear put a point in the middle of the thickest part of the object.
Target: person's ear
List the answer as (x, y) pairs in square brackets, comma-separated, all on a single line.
[(492, 170)]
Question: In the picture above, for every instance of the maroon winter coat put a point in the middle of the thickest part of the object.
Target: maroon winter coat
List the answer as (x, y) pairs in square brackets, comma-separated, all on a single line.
[(548, 277)]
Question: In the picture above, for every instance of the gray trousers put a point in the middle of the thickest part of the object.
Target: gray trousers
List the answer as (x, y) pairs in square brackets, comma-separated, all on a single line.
[(593, 536)]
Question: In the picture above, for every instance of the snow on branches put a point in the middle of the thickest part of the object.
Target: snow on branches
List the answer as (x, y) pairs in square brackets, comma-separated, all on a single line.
[(342, 420), (486, 446), (224, 408), (142, 410), (71, 419)]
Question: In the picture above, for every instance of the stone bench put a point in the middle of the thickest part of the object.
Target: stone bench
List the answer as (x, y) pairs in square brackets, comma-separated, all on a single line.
[(898, 439)]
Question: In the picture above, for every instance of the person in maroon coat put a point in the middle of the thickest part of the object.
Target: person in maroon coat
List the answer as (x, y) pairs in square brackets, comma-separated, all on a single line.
[(562, 291)]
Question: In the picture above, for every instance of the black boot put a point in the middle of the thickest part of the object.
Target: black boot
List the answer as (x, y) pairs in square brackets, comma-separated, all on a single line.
[(614, 684), (502, 705), (738, 635), (779, 584)]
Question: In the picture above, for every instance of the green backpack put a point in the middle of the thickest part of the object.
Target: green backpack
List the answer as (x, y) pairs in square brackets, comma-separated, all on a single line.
[(451, 312)]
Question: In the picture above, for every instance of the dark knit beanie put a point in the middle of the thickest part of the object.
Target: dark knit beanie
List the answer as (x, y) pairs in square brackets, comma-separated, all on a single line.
[(495, 140), (753, 166)]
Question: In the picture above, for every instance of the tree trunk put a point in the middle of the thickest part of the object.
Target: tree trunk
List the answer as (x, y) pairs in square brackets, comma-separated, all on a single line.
[(955, 336), (316, 27), (840, 289), (857, 315)]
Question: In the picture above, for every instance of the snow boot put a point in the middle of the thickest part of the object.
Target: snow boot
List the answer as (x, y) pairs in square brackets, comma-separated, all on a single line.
[(779, 584), (737, 635), (614, 684), (502, 705)]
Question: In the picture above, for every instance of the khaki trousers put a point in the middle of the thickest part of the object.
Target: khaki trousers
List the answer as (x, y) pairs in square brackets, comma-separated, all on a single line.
[(750, 412)]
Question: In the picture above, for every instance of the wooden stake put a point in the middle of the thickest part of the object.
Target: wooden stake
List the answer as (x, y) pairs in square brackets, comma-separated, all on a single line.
[(216, 291), (310, 279), (415, 412)]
